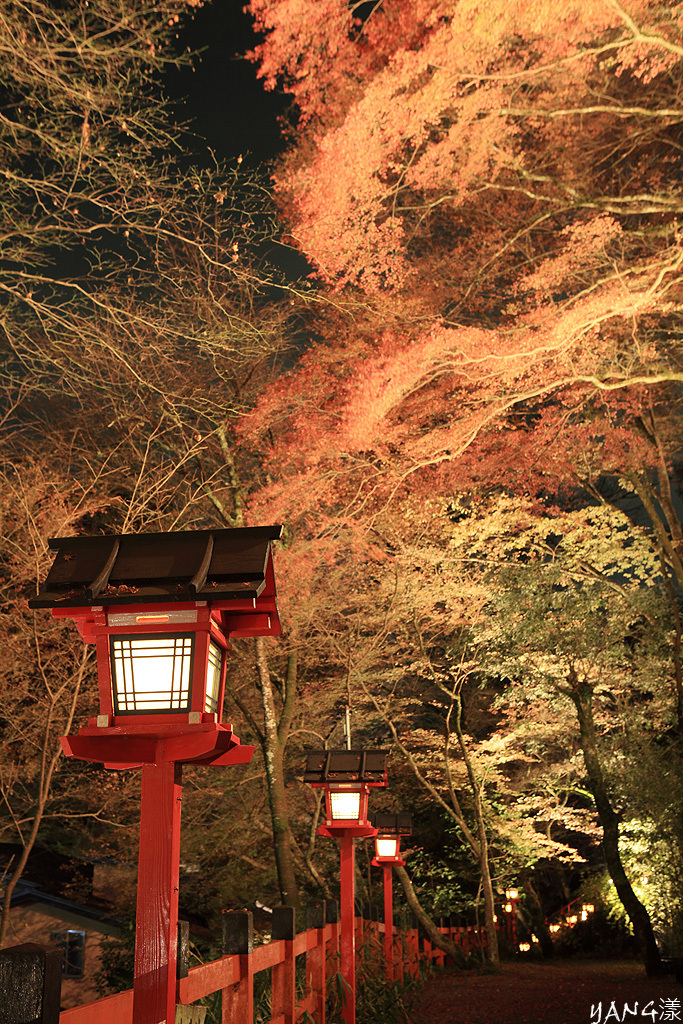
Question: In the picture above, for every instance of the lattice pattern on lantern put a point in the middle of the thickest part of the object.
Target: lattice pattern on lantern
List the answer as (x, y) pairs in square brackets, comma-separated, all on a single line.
[(345, 806), (151, 673), (213, 677)]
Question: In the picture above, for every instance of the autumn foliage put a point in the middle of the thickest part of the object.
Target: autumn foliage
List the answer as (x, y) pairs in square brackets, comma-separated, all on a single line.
[(495, 181)]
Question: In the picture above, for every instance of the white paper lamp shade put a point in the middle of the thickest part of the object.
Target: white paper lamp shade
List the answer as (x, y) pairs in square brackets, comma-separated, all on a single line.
[(344, 806), (151, 673), (213, 677), (386, 847)]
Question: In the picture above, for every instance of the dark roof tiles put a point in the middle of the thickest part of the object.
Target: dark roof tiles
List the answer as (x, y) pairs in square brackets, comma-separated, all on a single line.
[(135, 568)]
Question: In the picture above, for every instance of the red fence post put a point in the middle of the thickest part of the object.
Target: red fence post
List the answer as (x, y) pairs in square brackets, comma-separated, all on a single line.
[(440, 955), (316, 973), (332, 955), (238, 940), (374, 928), (283, 975), (363, 929), (414, 945), (399, 950)]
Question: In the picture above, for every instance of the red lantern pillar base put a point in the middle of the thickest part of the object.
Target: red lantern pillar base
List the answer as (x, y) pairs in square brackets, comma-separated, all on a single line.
[(156, 927), (388, 922)]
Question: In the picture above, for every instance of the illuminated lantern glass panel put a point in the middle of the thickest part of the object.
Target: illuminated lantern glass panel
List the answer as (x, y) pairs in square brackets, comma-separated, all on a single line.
[(151, 673), (213, 677), (386, 846), (345, 806)]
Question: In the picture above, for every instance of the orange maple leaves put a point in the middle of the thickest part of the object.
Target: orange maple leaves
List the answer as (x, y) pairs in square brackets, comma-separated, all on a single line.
[(505, 172)]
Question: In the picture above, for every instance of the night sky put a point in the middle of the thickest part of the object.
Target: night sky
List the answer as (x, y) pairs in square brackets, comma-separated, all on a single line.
[(222, 98)]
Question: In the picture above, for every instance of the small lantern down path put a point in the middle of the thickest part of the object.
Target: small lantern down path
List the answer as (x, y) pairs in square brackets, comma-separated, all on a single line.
[(347, 777), (161, 609), (390, 828)]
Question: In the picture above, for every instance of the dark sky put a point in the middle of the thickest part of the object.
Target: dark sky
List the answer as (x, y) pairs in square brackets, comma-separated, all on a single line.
[(222, 97)]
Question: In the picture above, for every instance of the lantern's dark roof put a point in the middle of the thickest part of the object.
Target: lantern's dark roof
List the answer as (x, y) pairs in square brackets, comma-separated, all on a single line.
[(145, 567), (400, 824), (346, 766)]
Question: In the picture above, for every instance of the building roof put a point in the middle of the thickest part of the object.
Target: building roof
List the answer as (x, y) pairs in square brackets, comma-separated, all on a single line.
[(158, 567), (85, 916)]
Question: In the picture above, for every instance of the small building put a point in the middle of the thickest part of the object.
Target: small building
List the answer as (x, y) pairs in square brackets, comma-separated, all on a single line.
[(63, 902)]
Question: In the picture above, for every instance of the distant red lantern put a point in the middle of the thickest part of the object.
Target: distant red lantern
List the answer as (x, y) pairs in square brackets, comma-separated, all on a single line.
[(390, 828), (386, 849), (510, 908), (347, 777)]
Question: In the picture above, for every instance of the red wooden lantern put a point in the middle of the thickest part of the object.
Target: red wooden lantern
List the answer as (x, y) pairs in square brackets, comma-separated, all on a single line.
[(510, 908), (347, 777), (390, 828), (161, 609)]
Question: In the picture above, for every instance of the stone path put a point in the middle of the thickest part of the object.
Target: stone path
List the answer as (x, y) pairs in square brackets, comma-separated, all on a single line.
[(565, 992)]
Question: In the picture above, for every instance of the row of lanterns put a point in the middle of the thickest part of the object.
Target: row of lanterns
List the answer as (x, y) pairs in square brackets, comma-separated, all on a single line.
[(568, 920), (161, 610), (346, 777)]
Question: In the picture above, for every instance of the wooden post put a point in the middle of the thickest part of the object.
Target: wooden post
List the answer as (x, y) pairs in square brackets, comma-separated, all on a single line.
[(332, 954), (398, 948), (389, 921), (414, 946), (238, 940), (30, 984), (183, 957), (283, 997), (316, 979), (156, 922), (348, 928), (427, 951), (439, 953)]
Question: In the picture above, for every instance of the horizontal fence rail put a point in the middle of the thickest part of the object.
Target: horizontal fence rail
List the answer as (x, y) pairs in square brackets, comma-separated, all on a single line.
[(233, 973)]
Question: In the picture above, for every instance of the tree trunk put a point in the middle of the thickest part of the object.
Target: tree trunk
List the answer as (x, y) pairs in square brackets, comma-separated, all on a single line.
[(582, 698), (435, 936), (537, 917), (482, 848), (478, 843), (49, 763), (273, 740)]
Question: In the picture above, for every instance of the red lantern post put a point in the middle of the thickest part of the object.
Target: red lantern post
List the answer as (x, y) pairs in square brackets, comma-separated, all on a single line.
[(347, 777), (160, 610), (390, 828), (512, 897)]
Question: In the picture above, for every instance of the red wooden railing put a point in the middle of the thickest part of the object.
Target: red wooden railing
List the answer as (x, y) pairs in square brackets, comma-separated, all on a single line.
[(233, 976)]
